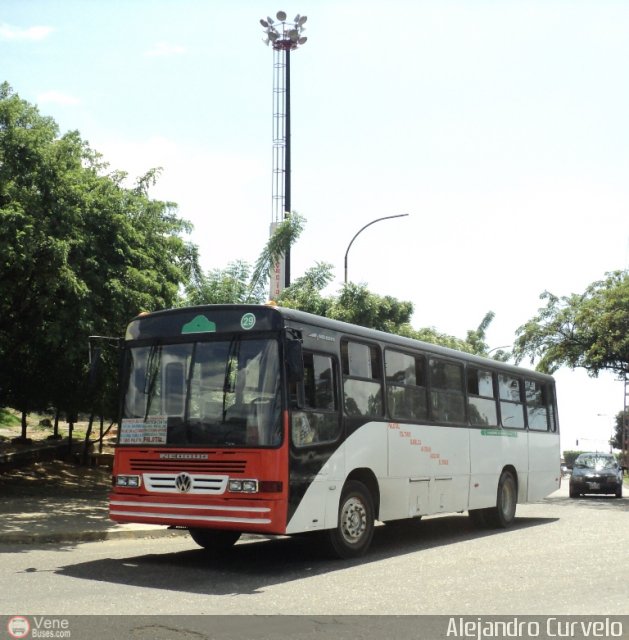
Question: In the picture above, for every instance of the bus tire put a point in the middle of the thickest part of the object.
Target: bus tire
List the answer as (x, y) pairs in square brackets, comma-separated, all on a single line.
[(213, 540), (352, 536), (503, 514)]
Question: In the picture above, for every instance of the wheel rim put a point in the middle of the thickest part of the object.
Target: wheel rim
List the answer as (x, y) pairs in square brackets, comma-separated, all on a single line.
[(353, 520)]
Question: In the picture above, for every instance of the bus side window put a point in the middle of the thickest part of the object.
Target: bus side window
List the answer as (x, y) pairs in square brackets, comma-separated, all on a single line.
[(319, 420), (447, 402), (481, 398), (362, 379), (406, 385), (511, 405), (552, 414), (536, 405)]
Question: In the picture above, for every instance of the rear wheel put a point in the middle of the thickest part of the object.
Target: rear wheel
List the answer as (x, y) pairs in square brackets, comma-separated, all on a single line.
[(503, 514), (619, 491), (214, 541), (352, 536)]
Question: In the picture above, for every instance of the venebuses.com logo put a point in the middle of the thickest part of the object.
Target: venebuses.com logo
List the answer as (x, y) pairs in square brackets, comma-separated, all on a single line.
[(38, 627), (18, 627)]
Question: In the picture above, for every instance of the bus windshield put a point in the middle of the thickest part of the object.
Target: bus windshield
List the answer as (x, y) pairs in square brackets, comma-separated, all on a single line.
[(222, 393)]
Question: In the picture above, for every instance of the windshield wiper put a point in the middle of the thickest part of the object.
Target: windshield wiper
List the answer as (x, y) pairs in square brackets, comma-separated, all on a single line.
[(232, 352), (153, 363), (186, 410)]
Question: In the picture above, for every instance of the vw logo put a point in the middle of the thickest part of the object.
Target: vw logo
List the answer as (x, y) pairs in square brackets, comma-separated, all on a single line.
[(183, 483)]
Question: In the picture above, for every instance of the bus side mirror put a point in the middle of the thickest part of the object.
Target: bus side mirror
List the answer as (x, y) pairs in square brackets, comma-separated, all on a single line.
[(294, 361)]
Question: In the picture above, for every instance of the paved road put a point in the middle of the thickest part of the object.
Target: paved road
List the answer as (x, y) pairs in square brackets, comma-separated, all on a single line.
[(562, 557)]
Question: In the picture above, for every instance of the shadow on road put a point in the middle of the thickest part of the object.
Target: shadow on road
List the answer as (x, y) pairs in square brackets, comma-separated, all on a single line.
[(252, 566)]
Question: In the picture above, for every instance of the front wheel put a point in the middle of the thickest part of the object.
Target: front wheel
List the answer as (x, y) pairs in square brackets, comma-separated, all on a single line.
[(214, 541), (352, 536), (503, 514)]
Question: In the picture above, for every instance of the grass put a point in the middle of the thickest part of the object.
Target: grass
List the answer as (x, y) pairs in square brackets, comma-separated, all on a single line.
[(9, 419), (12, 419)]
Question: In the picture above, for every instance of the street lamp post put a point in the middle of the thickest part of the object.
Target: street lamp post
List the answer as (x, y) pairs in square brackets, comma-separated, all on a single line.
[(399, 215)]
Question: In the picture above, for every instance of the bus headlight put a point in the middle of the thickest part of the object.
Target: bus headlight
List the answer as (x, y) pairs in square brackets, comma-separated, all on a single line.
[(132, 482), (243, 486)]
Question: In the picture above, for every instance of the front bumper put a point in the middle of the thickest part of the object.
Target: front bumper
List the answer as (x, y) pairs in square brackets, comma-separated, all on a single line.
[(594, 485)]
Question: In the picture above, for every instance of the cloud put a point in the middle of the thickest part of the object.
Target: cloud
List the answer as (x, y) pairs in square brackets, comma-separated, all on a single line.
[(161, 49), (9, 32), (56, 97)]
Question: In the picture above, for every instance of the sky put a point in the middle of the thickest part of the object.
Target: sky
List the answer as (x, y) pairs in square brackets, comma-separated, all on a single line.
[(500, 127)]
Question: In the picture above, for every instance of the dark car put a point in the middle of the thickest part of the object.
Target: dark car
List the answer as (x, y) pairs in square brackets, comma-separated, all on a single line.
[(596, 473)]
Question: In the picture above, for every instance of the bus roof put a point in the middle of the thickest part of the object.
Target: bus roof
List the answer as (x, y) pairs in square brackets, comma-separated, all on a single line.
[(340, 326)]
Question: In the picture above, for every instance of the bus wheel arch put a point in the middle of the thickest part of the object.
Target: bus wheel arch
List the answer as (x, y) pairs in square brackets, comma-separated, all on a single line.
[(368, 478)]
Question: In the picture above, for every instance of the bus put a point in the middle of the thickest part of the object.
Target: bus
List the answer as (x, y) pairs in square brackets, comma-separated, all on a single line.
[(265, 420)]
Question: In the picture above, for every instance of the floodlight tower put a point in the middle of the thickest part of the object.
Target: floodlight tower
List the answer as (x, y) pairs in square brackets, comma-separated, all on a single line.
[(284, 36)]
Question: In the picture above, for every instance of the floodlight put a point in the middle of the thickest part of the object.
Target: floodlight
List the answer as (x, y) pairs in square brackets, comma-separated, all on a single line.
[(301, 20), (264, 23), (281, 16), (302, 40)]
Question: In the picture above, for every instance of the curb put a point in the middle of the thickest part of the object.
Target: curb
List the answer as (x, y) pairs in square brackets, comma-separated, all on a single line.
[(21, 537)]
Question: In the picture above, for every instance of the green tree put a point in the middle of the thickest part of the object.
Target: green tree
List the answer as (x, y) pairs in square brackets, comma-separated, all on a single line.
[(239, 282), (80, 255), (621, 424), (305, 291), (476, 340), (222, 286), (356, 304), (588, 330), (285, 236)]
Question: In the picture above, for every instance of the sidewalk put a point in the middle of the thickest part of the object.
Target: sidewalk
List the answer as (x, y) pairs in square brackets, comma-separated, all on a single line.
[(59, 502)]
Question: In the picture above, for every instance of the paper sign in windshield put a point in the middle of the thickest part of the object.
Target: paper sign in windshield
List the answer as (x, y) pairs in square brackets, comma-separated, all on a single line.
[(137, 431)]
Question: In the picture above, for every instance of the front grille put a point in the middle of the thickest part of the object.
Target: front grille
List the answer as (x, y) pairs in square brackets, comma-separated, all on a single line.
[(195, 483), (195, 466)]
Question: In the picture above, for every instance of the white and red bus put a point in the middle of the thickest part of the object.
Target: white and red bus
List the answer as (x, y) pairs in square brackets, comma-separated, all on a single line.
[(260, 419)]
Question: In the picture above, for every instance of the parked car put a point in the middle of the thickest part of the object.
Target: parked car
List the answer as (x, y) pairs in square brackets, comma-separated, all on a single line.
[(596, 473)]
